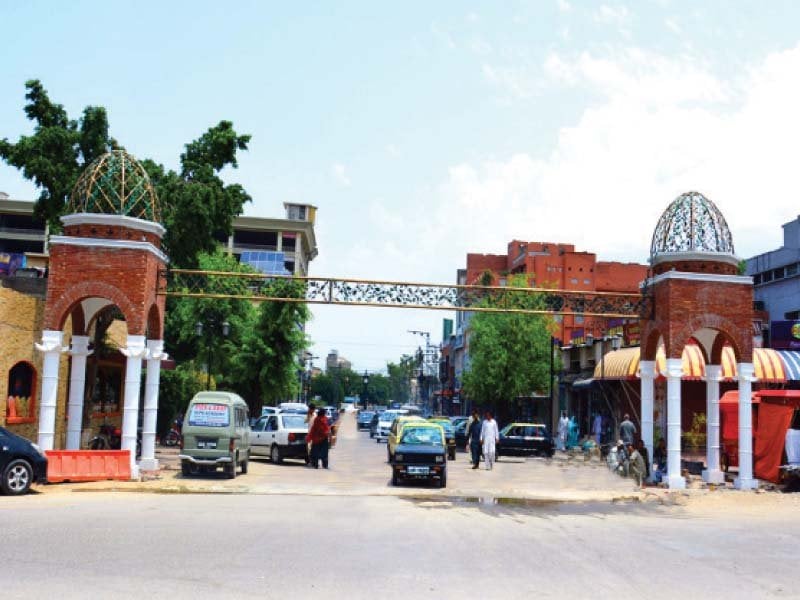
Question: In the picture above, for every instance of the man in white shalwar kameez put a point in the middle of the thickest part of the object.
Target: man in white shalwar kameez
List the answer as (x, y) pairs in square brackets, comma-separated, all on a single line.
[(563, 430), (490, 435)]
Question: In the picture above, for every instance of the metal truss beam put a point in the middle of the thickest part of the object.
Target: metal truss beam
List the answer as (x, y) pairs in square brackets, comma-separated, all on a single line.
[(258, 287)]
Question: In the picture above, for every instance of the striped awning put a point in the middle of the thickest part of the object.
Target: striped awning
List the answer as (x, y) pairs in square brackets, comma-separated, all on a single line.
[(791, 363), (769, 368)]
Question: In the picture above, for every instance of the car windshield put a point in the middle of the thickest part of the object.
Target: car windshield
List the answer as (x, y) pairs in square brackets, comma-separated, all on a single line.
[(293, 421), (418, 436), (388, 417), (209, 415)]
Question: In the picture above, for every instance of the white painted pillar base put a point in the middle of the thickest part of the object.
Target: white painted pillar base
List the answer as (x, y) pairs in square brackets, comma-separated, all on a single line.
[(77, 385), (745, 480), (674, 373), (155, 354), (647, 373), (51, 348), (133, 374), (712, 473)]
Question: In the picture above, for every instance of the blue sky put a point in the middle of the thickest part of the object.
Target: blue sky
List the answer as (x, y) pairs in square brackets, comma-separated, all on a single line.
[(430, 129)]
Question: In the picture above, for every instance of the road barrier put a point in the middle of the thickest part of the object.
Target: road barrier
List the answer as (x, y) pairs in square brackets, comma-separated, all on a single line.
[(88, 465)]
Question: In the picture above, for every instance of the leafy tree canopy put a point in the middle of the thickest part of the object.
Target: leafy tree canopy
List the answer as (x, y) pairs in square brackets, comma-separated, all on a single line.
[(509, 354), (197, 205)]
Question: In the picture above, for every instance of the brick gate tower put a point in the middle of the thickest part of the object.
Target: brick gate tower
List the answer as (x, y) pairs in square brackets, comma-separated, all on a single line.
[(697, 294), (109, 255)]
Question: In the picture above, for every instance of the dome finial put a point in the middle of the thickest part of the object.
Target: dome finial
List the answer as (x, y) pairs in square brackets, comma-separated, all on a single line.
[(691, 225), (117, 184)]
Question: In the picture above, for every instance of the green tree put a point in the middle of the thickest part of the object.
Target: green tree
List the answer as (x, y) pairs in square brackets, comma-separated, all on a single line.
[(328, 388), (400, 375), (197, 205), (509, 354), (58, 150), (266, 363)]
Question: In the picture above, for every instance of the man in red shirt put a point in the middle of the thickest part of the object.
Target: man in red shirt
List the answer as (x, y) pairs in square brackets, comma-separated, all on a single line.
[(319, 435)]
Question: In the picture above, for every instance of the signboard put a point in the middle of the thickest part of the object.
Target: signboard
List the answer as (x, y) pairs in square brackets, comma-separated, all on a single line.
[(632, 333), (785, 335), (9, 263), (576, 337), (209, 415)]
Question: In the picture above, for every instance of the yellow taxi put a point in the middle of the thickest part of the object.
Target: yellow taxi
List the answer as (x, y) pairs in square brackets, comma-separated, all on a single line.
[(396, 431)]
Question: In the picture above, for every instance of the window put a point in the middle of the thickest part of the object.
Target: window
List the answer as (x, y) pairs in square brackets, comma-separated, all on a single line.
[(272, 424), (21, 401), (791, 270), (259, 426)]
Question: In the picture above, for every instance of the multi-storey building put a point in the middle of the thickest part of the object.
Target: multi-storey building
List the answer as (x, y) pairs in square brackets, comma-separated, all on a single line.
[(271, 245), (776, 277), (334, 361), (553, 265)]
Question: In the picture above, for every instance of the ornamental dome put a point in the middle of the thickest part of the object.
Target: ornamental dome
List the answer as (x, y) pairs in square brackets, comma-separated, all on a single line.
[(115, 184), (691, 228)]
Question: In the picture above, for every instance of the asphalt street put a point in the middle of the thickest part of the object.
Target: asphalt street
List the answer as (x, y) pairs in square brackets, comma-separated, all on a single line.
[(327, 534)]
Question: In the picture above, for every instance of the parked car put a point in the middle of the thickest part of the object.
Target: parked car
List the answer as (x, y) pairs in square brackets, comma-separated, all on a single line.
[(420, 454), (395, 431), (385, 420), (364, 419), (293, 407), (461, 434), (216, 433), (449, 434), (525, 438), (280, 436), (460, 419), (269, 410), (21, 463)]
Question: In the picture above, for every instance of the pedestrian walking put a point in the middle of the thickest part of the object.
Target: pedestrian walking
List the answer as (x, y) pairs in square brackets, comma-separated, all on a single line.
[(490, 435), (309, 421), (597, 428), (627, 430), (319, 435), (646, 456), (636, 465), (474, 438), (563, 431)]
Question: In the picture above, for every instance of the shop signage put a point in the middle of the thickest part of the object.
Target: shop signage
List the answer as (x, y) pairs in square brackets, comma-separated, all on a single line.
[(785, 335)]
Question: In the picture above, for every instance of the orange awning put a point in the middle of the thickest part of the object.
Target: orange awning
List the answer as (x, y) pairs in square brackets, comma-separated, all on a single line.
[(624, 364)]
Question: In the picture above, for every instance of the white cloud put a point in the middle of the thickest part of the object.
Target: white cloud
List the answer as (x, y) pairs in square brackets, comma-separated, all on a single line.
[(673, 26), (612, 15), (563, 5), (659, 127), (339, 173)]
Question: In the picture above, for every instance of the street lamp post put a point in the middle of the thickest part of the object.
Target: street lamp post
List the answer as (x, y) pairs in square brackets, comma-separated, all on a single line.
[(210, 329), (365, 381)]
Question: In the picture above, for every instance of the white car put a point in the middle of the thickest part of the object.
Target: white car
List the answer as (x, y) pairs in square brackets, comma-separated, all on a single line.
[(385, 420), (279, 436)]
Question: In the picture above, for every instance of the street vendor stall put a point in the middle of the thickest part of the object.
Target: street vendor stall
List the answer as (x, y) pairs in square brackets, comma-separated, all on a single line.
[(773, 413)]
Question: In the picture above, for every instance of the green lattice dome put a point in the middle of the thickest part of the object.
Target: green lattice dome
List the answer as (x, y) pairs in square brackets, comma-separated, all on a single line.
[(115, 184)]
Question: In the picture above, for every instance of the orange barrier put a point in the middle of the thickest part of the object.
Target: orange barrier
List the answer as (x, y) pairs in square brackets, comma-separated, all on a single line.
[(88, 465)]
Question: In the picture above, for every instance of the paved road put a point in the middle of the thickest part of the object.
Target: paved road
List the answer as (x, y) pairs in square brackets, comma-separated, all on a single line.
[(358, 467), (125, 545)]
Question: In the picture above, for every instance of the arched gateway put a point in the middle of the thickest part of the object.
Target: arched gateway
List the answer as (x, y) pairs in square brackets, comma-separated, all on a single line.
[(697, 295), (109, 254)]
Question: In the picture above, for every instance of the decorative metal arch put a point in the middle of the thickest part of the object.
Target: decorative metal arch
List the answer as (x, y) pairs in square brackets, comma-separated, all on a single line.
[(259, 287)]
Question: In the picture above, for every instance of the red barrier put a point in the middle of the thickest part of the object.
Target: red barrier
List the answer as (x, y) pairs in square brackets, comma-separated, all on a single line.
[(88, 465)]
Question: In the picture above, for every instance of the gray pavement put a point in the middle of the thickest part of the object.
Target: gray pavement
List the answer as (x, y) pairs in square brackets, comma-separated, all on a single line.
[(359, 468), (117, 545)]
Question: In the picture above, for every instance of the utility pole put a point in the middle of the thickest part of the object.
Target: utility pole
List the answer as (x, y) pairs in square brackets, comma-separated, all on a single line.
[(429, 361)]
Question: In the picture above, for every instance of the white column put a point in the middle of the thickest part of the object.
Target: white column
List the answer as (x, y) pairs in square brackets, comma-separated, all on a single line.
[(77, 384), (712, 474), (647, 373), (51, 347), (745, 480), (133, 374), (674, 374), (155, 354)]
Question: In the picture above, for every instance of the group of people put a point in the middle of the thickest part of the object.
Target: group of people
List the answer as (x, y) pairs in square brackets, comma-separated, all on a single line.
[(482, 436), (318, 438), (633, 459)]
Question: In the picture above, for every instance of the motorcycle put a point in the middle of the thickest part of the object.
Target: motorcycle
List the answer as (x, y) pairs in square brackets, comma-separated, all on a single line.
[(109, 437), (173, 437)]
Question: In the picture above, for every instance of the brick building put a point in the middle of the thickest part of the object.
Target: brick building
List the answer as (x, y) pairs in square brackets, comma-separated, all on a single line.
[(560, 266)]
